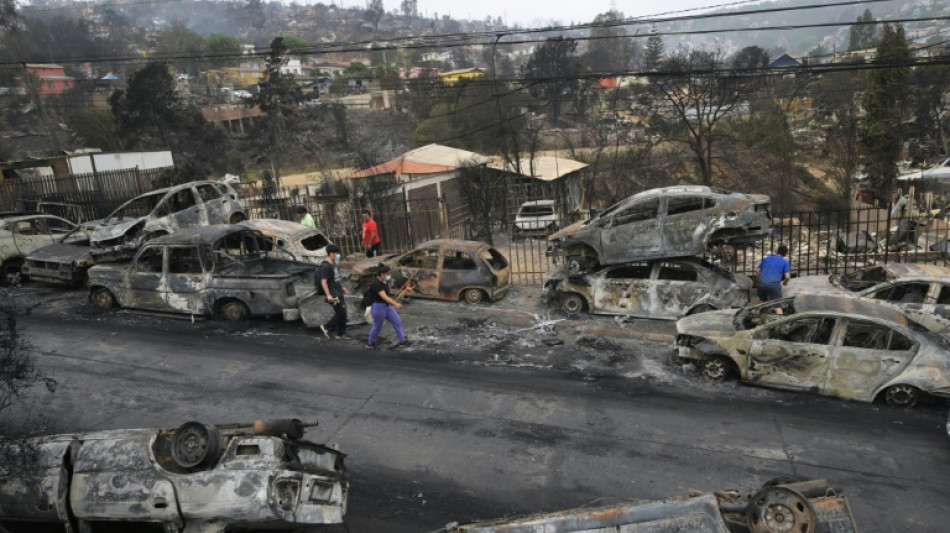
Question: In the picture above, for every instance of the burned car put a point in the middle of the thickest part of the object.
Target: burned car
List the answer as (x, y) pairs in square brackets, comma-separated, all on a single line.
[(301, 243), (666, 288), (667, 222), (21, 234), (222, 269), (64, 262), (443, 269), (782, 505), (535, 218), (838, 346), (197, 478), (162, 212), (921, 290)]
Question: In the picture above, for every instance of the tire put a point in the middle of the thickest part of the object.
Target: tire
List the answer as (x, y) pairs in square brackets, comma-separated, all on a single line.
[(701, 308), (717, 368), (196, 445), (103, 298), (234, 311), (474, 296), (780, 510), (902, 396), (237, 218), (10, 272), (573, 304)]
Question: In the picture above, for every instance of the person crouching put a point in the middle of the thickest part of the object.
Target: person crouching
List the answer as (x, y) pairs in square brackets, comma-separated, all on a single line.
[(383, 307)]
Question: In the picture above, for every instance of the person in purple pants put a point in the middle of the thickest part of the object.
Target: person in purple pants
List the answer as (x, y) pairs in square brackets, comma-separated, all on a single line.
[(383, 307)]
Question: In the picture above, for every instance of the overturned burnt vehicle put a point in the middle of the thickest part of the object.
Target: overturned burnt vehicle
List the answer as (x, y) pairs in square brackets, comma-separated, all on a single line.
[(197, 478), (162, 212), (838, 346), (667, 222), (301, 243), (782, 505), (220, 269), (64, 262), (443, 269), (666, 288)]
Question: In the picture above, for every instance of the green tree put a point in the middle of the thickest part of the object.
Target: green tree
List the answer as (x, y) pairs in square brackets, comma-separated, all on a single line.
[(886, 105), (608, 49), (357, 70), (653, 53), (552, 72), (180, 46), (223, 50), (8, 14), (94, 128), (278, 97), (835, 97), (864, 33), (297, 46)]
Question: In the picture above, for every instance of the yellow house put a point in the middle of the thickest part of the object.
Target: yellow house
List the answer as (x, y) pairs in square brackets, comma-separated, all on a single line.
[(453, 76), (242, 75)]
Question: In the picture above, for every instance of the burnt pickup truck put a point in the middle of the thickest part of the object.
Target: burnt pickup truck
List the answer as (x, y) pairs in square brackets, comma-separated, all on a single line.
[(197, 478), (221, 269)]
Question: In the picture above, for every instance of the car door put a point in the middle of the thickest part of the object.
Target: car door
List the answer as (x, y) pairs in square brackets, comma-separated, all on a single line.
[(144, 279), (625, 290), (215, 204), (29, 235), (460, 271), (187, 280), (185, 210), (686, 221), (676, 286), (792, 354), (421, 268), (869, 354), (632, 231)]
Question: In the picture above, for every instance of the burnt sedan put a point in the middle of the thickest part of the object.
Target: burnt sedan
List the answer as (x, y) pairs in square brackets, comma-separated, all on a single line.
[(667, 222), (163, 212), (194, 478), (220, 269), (301, 243), (666, 289), (834, 345), (443, 269), (64, 262)]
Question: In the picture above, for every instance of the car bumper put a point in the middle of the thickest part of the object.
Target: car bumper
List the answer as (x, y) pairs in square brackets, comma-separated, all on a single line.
[(50, 275), (498, 293)]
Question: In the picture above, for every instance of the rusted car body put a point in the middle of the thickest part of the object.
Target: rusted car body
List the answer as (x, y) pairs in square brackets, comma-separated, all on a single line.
[(196, 478), (162, 212), (838, 346), (219, 269), (665, 289), (22, 234), (64, 262), (779, 507), (922, 291), (667, 222), (302, 243), (443, 269)]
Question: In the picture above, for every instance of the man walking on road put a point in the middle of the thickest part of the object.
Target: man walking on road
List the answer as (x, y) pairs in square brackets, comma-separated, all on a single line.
[(328, 277), (773, 272), (371, 238), (305, 217)]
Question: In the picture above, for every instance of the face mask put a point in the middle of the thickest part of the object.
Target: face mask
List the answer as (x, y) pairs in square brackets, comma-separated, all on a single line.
[(336, 257), (389, 277)]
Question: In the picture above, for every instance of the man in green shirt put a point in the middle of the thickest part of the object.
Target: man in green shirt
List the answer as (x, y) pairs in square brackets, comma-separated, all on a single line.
[(305, 217)]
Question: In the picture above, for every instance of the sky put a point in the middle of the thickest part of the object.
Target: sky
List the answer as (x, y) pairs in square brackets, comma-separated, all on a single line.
[(540, 12)]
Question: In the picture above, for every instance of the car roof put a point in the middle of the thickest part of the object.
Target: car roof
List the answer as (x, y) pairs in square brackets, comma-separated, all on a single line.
[(278, 226), (200, 234), (849, 305), (917, 270), (454, 243), (32, 216)]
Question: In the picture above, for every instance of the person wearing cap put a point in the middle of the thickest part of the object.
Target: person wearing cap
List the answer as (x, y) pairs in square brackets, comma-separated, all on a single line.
[(773, 272), (305, 217), (383, 307), (328, 277)]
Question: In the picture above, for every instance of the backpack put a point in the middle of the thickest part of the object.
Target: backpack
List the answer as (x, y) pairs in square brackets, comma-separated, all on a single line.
[(368, 298), (316, 278)]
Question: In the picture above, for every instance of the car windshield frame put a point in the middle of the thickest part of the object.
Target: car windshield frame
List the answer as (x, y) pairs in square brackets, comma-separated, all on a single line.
[(117, 214)]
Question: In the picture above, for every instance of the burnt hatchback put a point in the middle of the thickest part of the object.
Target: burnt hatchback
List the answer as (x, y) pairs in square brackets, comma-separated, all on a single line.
[(667, 222), (444, 269), (219, 269)]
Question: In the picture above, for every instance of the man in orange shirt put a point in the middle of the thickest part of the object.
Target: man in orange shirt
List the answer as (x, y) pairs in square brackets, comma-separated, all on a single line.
[(371, 239)]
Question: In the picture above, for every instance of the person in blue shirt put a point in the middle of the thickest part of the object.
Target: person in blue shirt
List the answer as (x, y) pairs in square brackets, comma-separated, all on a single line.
[(773, 272)]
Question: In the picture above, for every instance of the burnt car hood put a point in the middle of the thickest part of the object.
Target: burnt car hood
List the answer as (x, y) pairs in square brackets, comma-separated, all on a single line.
[(63, 254), (112, 230), (570, 230), (364, 266), (719, 323)]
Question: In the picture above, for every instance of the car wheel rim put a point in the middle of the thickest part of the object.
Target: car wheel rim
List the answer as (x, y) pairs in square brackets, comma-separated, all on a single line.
[(572, 305), (902, 396), (715, 369), (103, 299), (233, 312), (473, 296)]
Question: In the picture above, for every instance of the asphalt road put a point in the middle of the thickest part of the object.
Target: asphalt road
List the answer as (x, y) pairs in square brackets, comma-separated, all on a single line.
[(432, 440)]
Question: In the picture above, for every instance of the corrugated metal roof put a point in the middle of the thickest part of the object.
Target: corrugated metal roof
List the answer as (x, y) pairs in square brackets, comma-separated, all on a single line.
[(429, 159), (544, 168)]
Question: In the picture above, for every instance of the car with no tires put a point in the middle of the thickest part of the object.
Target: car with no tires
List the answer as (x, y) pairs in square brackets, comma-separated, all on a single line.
[(162, 212), (536, 218), (301, 243), (665, 289), (443, 269), (21, 234), (197, 478), (839, 346), (666, 222), (223, 270), (64, 262)]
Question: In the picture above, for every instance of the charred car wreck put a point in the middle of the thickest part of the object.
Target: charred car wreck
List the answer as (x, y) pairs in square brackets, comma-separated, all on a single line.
[(197, 478), (658, 223), (219, 269), (64, 262), (666, 289), (782, 505), (301, 243)]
